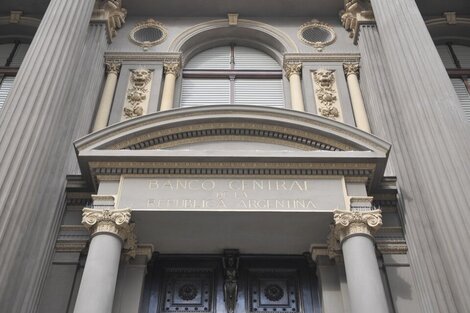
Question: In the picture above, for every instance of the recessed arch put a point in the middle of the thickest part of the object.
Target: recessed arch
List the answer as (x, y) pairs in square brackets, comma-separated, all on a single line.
[(258, 35), (442, 32)]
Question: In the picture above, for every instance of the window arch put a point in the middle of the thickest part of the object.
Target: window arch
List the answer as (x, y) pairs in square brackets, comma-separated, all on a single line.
[(232, 75)]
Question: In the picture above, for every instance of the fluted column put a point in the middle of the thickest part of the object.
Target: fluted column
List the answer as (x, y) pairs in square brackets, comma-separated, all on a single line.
[(33, 150), (292, 72), (171, 71), (102, 116), (109, 228), (421, 115), (352, 72), (354, 231)]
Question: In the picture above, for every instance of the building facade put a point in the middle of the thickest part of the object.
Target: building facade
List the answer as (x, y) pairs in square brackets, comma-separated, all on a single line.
[(220, 156)]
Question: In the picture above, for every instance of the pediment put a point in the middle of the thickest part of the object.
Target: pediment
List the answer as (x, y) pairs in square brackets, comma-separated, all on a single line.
[(229, 134)]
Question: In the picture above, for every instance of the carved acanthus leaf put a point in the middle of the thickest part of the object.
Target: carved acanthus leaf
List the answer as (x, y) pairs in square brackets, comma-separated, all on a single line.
[(113, 67), (351, 69), (291, 68), (348, 223), (172, 67)]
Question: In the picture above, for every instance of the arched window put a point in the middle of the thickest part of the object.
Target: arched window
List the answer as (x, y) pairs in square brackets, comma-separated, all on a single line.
[(232, 75), (11, 56), (456, 59)]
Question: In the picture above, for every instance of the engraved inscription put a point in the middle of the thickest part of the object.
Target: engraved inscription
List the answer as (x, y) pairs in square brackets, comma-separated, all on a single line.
[(232, 194)]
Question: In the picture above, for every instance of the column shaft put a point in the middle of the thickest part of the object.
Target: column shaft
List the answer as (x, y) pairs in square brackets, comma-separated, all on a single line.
[(296, 93), (96, 294), (34, 149), (102, 116), (359, 110), (431, 138), (365, 286), (168, 92)]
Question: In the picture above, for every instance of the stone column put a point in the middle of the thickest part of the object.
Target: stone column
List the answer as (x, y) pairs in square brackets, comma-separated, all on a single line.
[(101, 120), (109, 229), (171, 71), (292, 72), (411, 100), (351, 71), (34, 150), (354, 231)]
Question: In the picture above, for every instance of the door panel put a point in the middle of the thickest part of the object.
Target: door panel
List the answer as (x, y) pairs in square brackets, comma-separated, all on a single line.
[(193, 284)]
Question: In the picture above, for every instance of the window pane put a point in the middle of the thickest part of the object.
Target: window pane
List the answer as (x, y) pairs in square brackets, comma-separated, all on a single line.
[(463, 95), (5, 51), (198, 92), (446, 56), (265, 92), (463, 55), (5, 88), (19, 55), (212, 59), (252, 59)]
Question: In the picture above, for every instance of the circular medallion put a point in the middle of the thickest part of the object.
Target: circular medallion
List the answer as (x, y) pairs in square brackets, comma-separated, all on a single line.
[(148, 33), (317, 34), (187, 292), (273, 292)]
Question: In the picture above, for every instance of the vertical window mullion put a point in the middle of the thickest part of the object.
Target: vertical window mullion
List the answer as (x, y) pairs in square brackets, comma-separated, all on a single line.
[(454, 56), (12, 53)]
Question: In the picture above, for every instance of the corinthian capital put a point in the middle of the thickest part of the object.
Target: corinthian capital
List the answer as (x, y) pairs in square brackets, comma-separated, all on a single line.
[(351, 69), (356, 13), (105, 218), (113, 67), (292, 68), (112, 14), (349, 223), (171, 67)]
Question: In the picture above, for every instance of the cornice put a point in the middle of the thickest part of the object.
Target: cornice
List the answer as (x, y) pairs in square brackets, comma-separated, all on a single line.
[(143, 56), (321, 57)]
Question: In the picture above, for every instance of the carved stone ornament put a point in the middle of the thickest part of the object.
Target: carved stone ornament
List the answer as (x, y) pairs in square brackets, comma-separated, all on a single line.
[(112, 13), (159, 33), (348, 223), (230, 264), (291, 68), (325, 91), (138, 92), (115, 221), (326, 29), (351, 69), (113, 67), (356, 13), (171, 67)]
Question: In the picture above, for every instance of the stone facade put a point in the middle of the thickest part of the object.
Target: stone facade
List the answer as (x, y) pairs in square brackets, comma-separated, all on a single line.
[(347, 198)]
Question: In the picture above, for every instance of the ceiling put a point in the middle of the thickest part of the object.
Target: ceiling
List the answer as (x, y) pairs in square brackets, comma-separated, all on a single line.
[(286, 8)]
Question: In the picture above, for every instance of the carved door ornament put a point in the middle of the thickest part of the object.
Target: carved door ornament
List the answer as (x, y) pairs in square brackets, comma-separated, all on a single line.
[(230, 264)]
